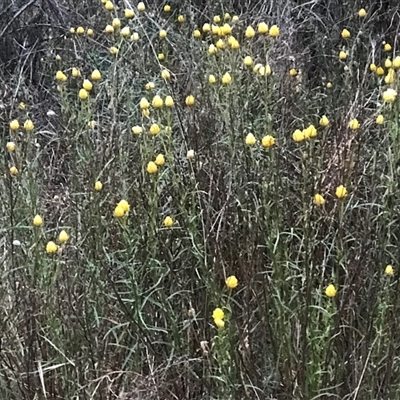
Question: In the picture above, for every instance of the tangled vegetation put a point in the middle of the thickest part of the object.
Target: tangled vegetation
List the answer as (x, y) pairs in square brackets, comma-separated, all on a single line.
[(199, 200)]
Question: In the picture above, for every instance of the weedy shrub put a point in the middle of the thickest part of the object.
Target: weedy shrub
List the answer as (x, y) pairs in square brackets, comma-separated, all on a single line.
[(200, 201)]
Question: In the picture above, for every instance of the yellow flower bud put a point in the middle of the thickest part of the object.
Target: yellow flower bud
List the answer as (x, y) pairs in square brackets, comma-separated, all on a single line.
[(152, 167), (226, 79), (10, 146), (389, 270), (250, 32), (14, 171), (51, 247), (37, 221), (87, 85), (248, 61), (168, 222), (331, 291), (160, 160), (63, 236), (274, 31), (231, 282), (155, 129), (341, 192), (98, 186), (345, 34), (83, 94), (14, 125), (157, 102), (267, 141), (96, 75), (319, 199), (250, 139), (190, 100)]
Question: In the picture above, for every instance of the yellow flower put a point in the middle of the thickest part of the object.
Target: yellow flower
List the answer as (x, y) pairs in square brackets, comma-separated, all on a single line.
[(380, 119), (144, 104), (87, 85), (217, 19), (310, 132), (206, 28), (141, 6), (63, 236), (98, 186), (160, 160), (113, 50), (298, 135), (75, 72), (155, 129), (181, 18), (388, 63), (125, 206), (234, 44), (129, 13), (152, 167), (157, 101), (109, 29), (190, 100), (212, 49), (190, 155), (226, 79), (372, 67), (91, 124), (263, 28), (109, 5), (268, 141), (235, 18), (22, 105), (211, 79), (345, 34), (10, 146), (14, 171), (125, 31), (83, 94), (96, 75), (219, 323), (362, 13), (389, 95), (330, 291), (149, 86), (161, 56), (354, 124), (218, 313), (396, 62), (168, 222), (80, 30), (14, 125), (226, 29), (58, 57), (135, 37), (28, 125), (342, 55), (389, 270), (274, 31), (324, 121), (51, 247), (231, 282), (119, 212), (169, 101), (116, 23), (329, 85), (60, 76), (380, 71), (227, 16), (72, 30), (265, 71), (165, 74), (341, 192), (248, 61), (250, 139), (137, 130), (293, 72), (167, 8), (37, 221), (319, 199), (146, 112), (220, 44), (196, 33), (389, 78), (250, 32), (162, 34), (387, 47)]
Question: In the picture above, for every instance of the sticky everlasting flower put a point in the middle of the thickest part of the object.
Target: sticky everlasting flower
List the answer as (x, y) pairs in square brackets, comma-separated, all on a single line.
[(324, 121), (169, 101), (28, 125), (212, 79), (218, 313), (109, 5), (87, 85), (167, 8), (98, 186), (226, 79), (10, 146), (231, 282), (389, 270), (119, 212), (75, 72), (14, 171), (354, 124), (165, 74), (250, 32), (262, 28), (380, 119), (250, 140), (274, 31), (293, 72), (152, 167), (129, 13), (330, 291), (160, 160), (319, 199), (51, 247), (157, 102), (83, 94), (168, 222), (63, 236), (342, 55), (341, 192), (298, 135), (387, 47), (219, 323), (248, 61), (268, 141), (137, 130), (141, 6), (190, 154), (389, 95), (14, 125), (155, 129), (345, 34), (190, 100), (37, 221), (60, 76), (362, 13), (144, 104)]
